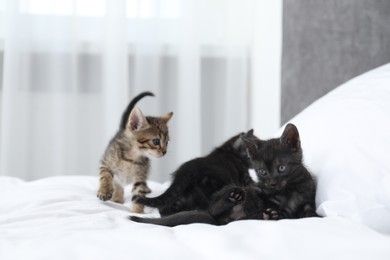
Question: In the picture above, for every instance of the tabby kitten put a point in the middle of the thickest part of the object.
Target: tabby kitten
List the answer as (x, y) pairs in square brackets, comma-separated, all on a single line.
[(197, 180), (126, 157), (229, 204), (288, 187)]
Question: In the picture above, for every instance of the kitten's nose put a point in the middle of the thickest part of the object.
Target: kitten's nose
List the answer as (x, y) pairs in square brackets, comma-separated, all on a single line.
[(273, 183)]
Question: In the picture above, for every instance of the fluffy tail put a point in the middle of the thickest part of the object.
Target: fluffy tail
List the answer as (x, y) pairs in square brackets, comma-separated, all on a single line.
[(181, 218), (169, 196), (125, 115), (175, 191)]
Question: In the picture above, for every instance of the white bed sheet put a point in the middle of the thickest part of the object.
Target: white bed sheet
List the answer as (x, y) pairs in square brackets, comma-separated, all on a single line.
[(61, 218)]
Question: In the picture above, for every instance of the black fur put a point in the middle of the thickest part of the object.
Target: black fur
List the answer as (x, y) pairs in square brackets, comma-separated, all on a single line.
[(229, 204), (287, 185), (197, 180), (130, 106)]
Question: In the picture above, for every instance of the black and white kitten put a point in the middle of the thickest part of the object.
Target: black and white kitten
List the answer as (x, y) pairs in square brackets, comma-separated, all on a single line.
[(288, 187), (197, 180), (229, 204)]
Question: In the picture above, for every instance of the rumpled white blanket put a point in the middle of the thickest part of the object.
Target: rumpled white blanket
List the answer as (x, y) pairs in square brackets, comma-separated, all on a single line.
[(61, 218)]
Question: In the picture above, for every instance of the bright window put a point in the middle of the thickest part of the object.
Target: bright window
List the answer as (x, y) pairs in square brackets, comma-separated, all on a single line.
[(63, 7), (143, 9)]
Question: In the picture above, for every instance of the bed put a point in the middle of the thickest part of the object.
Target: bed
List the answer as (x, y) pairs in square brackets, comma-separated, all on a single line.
[(345, 137)]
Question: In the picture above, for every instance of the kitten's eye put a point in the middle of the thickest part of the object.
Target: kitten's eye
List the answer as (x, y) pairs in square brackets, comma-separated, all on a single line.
[(261, 171), (156, 141), (282, 168)]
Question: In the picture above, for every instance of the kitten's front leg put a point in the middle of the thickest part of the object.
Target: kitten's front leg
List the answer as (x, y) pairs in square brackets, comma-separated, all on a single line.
[(106, 188), (140, 189), (236, 196), (225, 199)]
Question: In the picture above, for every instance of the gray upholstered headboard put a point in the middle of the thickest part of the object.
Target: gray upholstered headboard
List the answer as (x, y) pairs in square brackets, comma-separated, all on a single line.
[(327, 42)]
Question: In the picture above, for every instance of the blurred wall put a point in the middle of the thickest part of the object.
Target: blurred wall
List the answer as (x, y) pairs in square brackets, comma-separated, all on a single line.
[(326, 43)]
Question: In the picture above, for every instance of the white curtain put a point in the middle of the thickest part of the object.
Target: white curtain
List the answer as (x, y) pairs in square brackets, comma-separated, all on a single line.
[(68, 68)]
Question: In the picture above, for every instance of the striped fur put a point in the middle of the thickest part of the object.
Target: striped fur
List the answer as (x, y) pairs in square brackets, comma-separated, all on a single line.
[(126, 158)]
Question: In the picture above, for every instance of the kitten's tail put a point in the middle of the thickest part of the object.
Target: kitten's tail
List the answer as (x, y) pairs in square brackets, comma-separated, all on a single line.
[(180, 183), (126, 113), (180, 218), (169, 196)]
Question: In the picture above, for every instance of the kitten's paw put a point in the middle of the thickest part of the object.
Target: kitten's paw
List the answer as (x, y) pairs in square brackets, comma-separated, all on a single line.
[(236, 196), (137, 208), (271, 214), (106, 188), (141, 189), (105, 194), (145, 190), (137, 199)]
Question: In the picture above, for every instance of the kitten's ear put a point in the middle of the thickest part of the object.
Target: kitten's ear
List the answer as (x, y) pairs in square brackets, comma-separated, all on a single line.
[(167, 117), (250, 140), (247, 134), (137, 120), (290, 137), (250, 132)]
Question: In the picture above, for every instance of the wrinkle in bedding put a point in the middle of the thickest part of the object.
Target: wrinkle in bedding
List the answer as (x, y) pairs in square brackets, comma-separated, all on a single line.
[(39, 220)]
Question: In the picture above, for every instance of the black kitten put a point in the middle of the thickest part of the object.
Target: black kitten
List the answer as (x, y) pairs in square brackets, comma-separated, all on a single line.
[(286, 183), (229, 204), (197, 180)]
